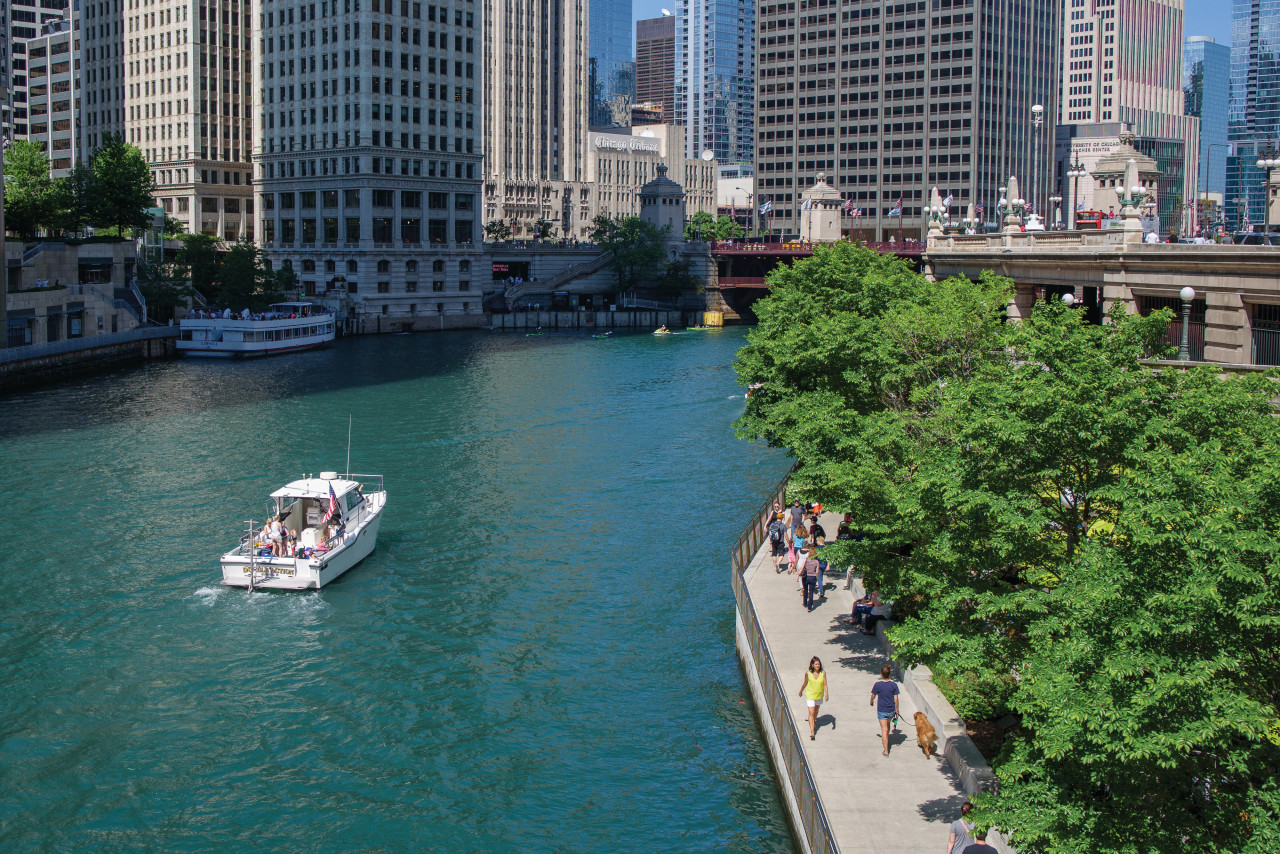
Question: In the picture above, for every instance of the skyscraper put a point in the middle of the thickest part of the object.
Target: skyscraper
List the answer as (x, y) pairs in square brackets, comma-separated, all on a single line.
[(1122, 67), (176, 82), (535, 114), (611, 66), (51, 98), (366, 153), (1253, 115), (715, 81), (1206, 76), (891, 100), (656, 64)]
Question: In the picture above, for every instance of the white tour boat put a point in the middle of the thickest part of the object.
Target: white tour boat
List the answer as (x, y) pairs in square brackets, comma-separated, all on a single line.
[(335, 520), (284, 328)]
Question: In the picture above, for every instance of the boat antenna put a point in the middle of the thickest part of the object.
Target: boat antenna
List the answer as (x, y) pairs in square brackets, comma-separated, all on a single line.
[(348, 474)]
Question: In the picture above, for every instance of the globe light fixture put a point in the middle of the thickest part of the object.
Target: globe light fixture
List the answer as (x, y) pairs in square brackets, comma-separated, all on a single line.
[(1188, 294)]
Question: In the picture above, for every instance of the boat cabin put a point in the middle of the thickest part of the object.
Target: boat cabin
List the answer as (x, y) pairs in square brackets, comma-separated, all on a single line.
[(303, 504)]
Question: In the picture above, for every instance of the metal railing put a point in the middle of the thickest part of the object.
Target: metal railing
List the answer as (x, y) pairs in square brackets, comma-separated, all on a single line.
[(813, 822), (89, 342)]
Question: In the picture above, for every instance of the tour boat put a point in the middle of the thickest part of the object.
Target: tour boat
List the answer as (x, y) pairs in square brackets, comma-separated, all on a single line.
[(335, 520), (284, 328)]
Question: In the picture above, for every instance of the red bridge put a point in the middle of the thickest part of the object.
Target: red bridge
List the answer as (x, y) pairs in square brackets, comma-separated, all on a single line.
[(743, 266)]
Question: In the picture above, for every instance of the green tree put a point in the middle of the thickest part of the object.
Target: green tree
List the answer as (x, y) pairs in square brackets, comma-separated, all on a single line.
[(705, 227), (496, 230), (542, 230), (74, 199), (199, 254), (243, 280), (123, 186), (166, 286), (29, 196), (1086, 543), (676, 279), (637, 247)]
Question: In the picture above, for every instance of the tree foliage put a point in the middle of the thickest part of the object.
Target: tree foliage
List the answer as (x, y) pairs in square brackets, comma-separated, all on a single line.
[(542, 230), (29, 195), (199, 254), (637, 247), (122, 185), (242, 279), (1089, 543), (165, 286), (496, 230), (703, 226)]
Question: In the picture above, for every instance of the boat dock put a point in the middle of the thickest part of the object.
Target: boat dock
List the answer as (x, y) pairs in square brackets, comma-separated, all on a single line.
[(841, 793)]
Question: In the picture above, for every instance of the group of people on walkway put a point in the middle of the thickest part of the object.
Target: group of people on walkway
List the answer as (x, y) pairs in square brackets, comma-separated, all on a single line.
[(797, 537)]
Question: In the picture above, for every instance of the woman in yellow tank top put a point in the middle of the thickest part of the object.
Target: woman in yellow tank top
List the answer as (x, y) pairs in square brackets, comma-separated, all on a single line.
[(814, 691)]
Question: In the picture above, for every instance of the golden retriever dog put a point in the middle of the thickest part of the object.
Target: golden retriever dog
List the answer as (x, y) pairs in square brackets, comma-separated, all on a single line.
[(926, 737)]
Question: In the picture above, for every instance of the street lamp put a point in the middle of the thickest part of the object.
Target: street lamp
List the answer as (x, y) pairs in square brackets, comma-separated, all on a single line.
[(1188, 294), (1037, 120), (1208, 165), (1268, 159), (1075, 173), (1056, 201), (1069, 300)]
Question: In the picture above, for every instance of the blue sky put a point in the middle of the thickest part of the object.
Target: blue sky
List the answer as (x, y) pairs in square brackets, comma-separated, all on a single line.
[(1203, 17)]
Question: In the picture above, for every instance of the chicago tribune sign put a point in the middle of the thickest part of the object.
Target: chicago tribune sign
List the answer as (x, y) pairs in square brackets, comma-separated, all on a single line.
[(626, 143)]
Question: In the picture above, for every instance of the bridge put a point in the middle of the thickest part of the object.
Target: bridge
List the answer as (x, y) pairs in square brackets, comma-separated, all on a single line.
[(1234, 318)]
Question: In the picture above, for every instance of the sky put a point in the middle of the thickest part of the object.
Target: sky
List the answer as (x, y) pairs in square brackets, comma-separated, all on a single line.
[(1203, 17)]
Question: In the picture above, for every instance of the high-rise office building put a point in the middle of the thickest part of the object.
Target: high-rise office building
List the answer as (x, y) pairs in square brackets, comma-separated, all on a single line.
[(611, 64), (367, 153), (1253, 114), (891, 100), (1206, 80), (176, 82), (1122, 67), (52, 93), (6, 112), (715, 78), (535, 114), (25, 20), (656, 64)]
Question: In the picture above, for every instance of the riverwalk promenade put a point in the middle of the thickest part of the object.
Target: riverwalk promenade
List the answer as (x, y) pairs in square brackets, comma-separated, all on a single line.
[(841, 792)]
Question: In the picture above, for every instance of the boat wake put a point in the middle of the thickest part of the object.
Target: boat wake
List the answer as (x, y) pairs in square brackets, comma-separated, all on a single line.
[(207, 595)]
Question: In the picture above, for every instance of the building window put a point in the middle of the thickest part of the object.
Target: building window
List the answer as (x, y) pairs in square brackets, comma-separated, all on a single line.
[(384, 287), (437, 286)]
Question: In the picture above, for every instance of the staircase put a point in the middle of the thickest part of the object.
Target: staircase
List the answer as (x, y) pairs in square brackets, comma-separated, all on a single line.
[(562, 278)]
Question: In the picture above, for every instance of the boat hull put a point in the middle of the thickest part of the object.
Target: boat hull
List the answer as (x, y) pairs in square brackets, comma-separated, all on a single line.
[(287, 573), (186, 349)]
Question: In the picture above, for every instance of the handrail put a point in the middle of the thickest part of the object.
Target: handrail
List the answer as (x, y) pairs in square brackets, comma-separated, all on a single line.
[(813, 823)]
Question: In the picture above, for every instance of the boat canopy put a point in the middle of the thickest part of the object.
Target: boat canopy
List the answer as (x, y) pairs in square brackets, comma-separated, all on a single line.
[(301, 309), (315, 487)]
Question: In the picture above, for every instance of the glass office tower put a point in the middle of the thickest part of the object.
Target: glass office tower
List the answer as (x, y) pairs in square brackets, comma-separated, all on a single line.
[(715, 81), (1206, 81), (1253, 116), (611, 63)]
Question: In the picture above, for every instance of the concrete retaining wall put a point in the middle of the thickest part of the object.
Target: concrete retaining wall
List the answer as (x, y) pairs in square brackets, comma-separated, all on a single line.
[(551, 321), (41, 370)]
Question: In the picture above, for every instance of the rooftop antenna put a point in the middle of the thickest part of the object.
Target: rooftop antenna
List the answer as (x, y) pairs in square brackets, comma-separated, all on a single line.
[(348, 474)]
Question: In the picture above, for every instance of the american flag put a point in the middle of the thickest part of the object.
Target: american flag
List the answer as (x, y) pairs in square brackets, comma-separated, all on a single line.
[(977, 209), (848, 205), (333, 504), (857, 211)]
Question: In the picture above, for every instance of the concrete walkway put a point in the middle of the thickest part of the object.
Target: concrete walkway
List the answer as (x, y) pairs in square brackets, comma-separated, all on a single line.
[(899, 804)]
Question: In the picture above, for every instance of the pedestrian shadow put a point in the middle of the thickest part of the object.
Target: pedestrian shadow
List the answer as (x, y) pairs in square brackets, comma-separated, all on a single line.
[(942, 809), (824, 720)]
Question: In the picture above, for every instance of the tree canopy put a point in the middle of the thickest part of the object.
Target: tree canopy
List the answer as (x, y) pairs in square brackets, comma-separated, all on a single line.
[(638, 247), (704, 226), (242, 279), (29, 195), (122, 186), (1075, 540)]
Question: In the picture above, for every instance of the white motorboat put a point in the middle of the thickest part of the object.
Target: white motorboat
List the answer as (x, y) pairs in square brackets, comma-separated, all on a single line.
[(335, 520), (285, 327)]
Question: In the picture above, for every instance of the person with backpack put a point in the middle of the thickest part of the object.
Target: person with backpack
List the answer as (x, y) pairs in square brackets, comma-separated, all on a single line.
[(778, 540)]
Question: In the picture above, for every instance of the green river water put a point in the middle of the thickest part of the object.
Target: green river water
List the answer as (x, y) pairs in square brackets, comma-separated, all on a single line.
[(538, 655)]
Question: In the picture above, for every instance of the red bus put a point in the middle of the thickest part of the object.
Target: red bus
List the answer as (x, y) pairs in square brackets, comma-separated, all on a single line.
[(1090, 219)]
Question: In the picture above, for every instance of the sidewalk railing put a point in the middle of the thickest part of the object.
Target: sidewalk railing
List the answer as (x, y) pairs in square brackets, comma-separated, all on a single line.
[(89, 342), (813, 823)]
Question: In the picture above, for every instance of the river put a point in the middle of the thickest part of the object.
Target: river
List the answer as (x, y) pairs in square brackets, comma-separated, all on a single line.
[(537, 656)]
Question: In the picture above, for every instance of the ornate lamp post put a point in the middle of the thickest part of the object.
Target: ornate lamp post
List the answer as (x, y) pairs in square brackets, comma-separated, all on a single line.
[(1188, 295), (1037, 121), (1268, 159), (1056, 201), (1075, 173)]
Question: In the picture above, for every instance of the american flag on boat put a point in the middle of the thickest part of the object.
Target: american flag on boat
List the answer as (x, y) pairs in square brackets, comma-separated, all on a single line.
[(333, 504)]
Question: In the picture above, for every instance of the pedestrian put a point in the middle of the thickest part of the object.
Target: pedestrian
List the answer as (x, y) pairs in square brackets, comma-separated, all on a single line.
[(799, 538), (980, 845), (797, 513), (815, 693), (778, 540), (884, 696), (818, 544), (808, 565), (961, 831)]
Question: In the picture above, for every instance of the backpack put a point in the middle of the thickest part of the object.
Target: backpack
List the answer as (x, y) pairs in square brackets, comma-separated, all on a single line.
[(775, 533)]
